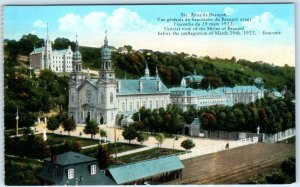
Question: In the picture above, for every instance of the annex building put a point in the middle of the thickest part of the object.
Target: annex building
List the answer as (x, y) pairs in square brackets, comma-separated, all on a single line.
[(185, 97), (104, 97), (55, 60)]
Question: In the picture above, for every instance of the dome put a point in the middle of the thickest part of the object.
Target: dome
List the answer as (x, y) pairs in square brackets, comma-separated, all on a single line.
[(76, 55), (106, 53)]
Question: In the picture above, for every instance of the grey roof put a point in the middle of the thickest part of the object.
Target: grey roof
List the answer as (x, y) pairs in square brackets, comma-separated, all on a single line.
[(148, 168), (59, 52), (37, 51), (196, 122), (246, 88), (131, 87), (70, 158)]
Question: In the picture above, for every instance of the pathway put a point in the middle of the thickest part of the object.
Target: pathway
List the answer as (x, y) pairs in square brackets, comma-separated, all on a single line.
[(131, 151)]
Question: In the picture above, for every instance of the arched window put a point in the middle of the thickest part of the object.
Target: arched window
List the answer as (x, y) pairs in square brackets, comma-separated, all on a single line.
[(137, 105), (150, 104), (111, 97), (130, 106)]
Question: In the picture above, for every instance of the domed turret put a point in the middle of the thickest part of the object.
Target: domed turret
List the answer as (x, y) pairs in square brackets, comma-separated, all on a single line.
[(106, 71), (106, 52), (77, 58)]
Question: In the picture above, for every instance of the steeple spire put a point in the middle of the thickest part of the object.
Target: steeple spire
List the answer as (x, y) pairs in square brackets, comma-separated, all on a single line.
[(76, 45), (105, 40), (47, 32)]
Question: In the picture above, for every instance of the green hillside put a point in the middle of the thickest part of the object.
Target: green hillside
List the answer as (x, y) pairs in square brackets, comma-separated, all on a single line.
[(172, 66)]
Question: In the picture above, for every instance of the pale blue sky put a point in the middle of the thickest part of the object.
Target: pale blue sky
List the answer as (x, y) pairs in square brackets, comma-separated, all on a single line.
[(137, 25)]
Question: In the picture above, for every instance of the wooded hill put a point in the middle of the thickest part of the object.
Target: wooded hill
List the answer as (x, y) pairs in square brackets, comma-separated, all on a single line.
[(171, 66)]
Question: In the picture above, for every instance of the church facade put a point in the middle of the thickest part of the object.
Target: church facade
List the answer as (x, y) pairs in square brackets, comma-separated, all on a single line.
[(55, 60), (104, 97)]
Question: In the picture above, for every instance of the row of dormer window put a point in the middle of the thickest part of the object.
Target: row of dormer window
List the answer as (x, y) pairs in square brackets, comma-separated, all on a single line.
[(71, 172)]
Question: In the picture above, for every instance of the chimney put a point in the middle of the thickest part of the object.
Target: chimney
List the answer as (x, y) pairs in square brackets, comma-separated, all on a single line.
[(158, 85), (118, 86), (140, 86)]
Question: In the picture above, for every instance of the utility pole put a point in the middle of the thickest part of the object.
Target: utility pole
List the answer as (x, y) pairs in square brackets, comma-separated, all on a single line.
[(116, 144), (17, 118), (99, 135)]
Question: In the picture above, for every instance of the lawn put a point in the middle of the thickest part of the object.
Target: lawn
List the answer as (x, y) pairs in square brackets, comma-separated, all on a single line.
[(21, 171), (149, 154), (54, 139), (121, 147)]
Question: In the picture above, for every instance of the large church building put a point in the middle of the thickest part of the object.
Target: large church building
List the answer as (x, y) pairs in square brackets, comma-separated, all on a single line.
[(45, 58), (104, 97)]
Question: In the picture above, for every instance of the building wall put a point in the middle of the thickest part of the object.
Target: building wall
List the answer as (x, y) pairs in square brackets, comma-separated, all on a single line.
[(82, 174), (36, 60), (129, 103)]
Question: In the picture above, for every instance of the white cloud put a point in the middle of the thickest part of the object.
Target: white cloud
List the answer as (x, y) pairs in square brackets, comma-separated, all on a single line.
[(261, 22), (123, 18), (33, 32), (70, 23), (228, 11), (268, 22), (91, 27), (94, 20), (39, 24)]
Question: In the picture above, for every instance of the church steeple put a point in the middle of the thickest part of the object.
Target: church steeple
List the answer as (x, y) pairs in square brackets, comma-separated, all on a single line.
[(76, 74), (47, 51), (106, 70)]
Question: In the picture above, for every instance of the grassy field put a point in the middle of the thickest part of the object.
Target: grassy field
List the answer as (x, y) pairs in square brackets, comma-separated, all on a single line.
[(149, 154), (121, 147), (21, 171), (54, 139)]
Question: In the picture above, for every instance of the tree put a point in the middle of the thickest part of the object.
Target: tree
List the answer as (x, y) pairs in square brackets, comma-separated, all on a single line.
[(76, 146), (69, 125), (103, 157), (91, 127), (53, 123), (288, 167), (102, 134), (142, 137), (160, 138), (129, 133), (187, 144), (63, 43)]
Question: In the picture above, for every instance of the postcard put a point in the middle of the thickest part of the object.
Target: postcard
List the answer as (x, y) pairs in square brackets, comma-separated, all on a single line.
[(149, 94)]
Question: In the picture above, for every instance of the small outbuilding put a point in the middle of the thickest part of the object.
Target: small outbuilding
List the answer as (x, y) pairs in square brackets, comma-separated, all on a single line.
[(72, 168), (193, 129)]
